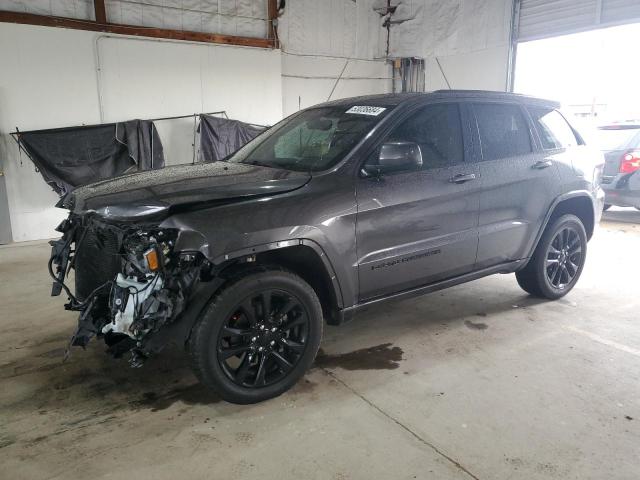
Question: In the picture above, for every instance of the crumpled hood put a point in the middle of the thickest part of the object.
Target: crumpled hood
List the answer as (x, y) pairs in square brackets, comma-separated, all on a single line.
[(150, 192)]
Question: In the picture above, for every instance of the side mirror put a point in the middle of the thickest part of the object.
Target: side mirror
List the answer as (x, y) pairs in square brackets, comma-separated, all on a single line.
[(395, 157)]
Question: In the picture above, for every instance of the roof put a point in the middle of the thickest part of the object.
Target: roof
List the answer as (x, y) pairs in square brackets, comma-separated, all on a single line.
[(392, 99)]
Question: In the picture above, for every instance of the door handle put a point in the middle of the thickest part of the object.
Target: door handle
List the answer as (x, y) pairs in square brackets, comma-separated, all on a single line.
[(540, 164), (462, 178)]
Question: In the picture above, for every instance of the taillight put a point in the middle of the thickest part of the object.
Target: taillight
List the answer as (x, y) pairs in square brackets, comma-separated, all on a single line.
[(630, 162)]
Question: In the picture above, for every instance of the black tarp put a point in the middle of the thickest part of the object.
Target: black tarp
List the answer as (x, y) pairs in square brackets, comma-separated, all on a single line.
[(71, 157), (220, 137), (143, 143)]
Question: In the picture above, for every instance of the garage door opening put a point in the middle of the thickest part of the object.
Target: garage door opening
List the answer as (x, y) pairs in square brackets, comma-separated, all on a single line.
[(594, 74)]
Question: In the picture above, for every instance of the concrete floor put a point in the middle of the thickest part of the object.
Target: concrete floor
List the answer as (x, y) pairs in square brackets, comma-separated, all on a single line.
[(479, 381)]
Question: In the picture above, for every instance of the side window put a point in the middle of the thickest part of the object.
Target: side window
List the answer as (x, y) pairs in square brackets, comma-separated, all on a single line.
[(553, 129), (503, 130), (437, 129)]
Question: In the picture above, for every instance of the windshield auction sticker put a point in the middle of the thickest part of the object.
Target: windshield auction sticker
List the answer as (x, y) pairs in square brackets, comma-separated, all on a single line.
[(364, 110)]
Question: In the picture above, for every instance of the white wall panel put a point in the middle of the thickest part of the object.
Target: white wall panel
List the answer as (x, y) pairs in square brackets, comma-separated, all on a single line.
[(484, 69), (307, 81), (49, 79), (317, 39), (179, 149)]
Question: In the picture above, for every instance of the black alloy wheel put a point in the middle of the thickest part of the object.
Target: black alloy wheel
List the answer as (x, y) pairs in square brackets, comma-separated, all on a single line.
[(564, 257), (263, 339), (558, 259), (257, 336)]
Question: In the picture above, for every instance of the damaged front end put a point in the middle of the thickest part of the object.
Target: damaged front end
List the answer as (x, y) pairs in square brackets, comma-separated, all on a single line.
[(129, 282)]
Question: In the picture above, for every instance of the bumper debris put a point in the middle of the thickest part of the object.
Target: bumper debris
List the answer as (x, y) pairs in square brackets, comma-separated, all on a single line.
[(129, 282)]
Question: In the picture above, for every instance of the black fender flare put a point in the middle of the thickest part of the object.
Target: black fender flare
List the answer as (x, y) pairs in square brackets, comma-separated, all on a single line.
[(552, 208), (253, 250)]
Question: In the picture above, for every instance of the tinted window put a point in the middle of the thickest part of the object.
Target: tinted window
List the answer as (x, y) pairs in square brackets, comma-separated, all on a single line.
[(503, 131), (438, 131), (553, 129)]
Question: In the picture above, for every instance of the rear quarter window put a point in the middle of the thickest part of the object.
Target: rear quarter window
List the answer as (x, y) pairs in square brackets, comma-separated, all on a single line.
[(552, 128), (503, 130)]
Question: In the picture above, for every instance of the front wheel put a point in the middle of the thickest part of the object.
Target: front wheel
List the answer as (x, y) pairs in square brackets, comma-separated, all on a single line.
[(257, 337), (557, 261)]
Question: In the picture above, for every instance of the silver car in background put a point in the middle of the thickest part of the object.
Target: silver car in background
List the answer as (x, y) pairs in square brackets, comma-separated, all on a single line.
[(620, 143)]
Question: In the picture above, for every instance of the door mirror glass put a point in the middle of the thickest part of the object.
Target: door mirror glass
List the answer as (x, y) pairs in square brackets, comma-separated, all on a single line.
[(395, 157)]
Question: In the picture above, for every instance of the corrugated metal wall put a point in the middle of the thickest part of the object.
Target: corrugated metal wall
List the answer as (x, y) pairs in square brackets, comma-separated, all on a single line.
[(549, 18)]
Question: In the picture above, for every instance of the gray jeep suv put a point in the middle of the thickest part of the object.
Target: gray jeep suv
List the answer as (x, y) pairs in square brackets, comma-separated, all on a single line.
[(339, 206)]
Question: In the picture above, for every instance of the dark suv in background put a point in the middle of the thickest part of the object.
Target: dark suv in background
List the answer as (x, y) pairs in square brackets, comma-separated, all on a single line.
[(620, 143), (339, 206)]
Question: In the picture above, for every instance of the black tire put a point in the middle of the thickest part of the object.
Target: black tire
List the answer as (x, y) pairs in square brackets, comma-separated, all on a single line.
[(552, 272), (606, 207), (269, 360)]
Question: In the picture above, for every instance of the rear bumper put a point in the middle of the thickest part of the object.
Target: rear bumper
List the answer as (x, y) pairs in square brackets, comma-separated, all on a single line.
[(622, 190), (622, 197)]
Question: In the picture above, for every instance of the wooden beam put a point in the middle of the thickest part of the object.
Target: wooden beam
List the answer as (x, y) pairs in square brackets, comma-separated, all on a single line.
[(63, 22), (101, 12), (272, 15)]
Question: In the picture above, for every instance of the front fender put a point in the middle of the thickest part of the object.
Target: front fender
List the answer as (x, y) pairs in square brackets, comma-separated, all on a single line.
[(238, 245)]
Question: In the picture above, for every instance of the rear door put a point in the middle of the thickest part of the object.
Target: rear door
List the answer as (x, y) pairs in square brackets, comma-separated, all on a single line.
[(418, 227), (519, 182)]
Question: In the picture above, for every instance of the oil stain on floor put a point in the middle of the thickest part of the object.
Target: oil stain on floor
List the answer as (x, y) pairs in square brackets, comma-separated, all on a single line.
[(380, 357), (475, 326)]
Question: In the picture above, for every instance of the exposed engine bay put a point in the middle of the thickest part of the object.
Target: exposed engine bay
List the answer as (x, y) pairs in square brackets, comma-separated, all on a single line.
[(129, 283)]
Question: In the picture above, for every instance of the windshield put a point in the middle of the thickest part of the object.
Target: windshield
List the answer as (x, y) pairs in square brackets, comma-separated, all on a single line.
[(618, 138), (314, 140)]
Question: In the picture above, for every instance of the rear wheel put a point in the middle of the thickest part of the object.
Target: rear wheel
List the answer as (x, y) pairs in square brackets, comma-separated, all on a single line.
[(257, 337), (558, 259)]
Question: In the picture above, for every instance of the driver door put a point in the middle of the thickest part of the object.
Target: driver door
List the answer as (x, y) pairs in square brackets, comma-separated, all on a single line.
[(419, 226)]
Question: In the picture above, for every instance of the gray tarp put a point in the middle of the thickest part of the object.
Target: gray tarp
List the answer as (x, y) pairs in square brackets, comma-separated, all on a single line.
[(220, 137), (71, 157)]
